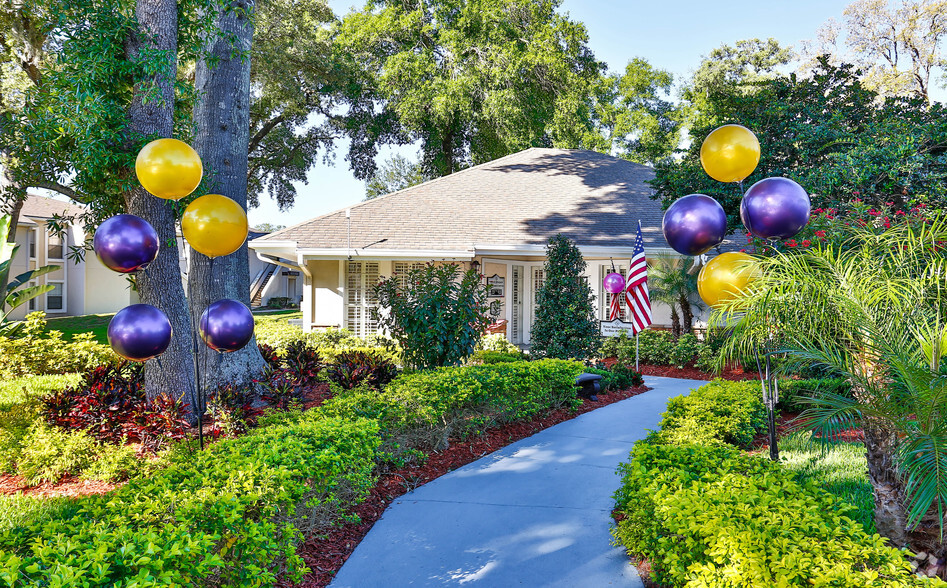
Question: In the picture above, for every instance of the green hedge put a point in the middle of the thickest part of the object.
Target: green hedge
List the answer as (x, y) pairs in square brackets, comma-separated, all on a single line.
[(792, 393), (712, 516), (39, 352), (228, 516), (716, 413), (426, 408)]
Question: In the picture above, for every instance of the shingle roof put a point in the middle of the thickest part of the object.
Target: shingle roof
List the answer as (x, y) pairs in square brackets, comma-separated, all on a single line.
[(520, 199), (41, 207)]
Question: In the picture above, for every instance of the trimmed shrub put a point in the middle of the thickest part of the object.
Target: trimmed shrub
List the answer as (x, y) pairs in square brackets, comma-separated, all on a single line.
[(229, 516), (707, 517), (716, 413), (49, 453), (424, 409), (491, 357), (498, 342), (792, 393), (39, 352)]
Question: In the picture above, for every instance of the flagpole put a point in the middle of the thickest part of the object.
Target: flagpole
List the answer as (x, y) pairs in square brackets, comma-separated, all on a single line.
[(636, 351)]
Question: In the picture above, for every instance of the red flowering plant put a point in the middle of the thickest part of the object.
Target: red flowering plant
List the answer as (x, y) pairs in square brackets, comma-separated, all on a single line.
[(827, 226), (110, 404)]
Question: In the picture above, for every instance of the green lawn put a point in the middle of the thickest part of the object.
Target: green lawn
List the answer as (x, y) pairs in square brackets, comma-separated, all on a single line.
[(97, 324), (840, 469), (16, 390)]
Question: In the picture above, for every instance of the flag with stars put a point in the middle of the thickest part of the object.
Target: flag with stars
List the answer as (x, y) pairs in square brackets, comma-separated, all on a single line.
[(636, 287)]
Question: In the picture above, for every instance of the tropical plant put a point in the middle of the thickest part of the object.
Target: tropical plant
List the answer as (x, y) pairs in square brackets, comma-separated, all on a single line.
[(671, 281), (14, 294), (565, 326), (438, 313), (868, 309)]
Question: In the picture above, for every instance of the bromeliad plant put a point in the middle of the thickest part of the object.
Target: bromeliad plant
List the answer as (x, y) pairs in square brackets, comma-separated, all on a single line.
[(438, 314), (869, 308), (16, 292)]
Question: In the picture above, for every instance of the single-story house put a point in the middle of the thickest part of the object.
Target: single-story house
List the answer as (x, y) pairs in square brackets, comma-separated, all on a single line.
[(79, 287), (496, 216)]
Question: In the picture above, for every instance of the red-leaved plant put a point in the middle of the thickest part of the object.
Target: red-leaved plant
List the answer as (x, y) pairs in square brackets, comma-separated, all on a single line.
[(110, 405)]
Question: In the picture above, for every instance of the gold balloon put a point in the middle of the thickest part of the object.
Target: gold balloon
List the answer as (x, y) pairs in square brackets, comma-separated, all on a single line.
[(169, 168), (725, 277), (214, 225), (730, 153)]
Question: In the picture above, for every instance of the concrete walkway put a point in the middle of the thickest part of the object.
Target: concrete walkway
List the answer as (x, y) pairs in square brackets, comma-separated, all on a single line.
[(535, 513)]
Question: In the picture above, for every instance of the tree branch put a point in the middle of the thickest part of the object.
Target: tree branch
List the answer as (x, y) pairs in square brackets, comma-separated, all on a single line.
[(61, 188), (264, 131)]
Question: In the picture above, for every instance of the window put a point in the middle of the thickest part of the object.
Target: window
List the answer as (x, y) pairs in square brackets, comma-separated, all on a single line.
[(54, 244), (55, 298), (360, 300), (400, 270), (31, 237), (606, 298), (32, 303)]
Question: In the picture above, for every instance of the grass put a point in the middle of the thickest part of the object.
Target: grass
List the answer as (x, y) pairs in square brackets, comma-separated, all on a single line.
[(17, 390), (838, 467), (97, 324)]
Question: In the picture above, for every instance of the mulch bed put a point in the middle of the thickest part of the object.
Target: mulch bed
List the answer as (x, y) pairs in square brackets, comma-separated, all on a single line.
[(735, 373), (325, 555), (70, 486)]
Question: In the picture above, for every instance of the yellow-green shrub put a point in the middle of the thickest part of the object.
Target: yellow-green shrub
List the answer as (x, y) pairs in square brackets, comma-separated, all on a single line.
[(38, 351), (709, 517), (431, 406), (716, 413), (228, 516)]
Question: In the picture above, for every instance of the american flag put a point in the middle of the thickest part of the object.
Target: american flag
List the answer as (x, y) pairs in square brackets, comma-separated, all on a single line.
[(636, 287)]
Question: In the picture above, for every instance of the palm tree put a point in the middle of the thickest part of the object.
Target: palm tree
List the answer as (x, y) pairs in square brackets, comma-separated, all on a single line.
[(869, 308), (670, 282)]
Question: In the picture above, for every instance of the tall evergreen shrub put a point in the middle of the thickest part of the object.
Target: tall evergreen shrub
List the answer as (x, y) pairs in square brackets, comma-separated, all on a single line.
[(565, 326)]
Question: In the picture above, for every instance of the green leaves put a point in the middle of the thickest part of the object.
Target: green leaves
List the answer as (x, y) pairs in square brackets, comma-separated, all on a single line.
[(565, 325)]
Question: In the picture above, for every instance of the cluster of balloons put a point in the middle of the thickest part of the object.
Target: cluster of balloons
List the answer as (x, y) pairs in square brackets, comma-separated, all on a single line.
[(773, 208), (213, 225)]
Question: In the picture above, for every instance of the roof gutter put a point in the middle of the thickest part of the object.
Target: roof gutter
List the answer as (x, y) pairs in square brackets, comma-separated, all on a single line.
[(277, 261)]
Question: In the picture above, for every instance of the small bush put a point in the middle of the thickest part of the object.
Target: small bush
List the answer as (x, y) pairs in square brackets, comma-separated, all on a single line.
[(110, 404), (49, 453), (113, 463), (354, 368), (281, 388), (716, 413), (39, 352), (231, 407), (423, 410), (492, 357), (15, 423), (792, 393), (498, 342), (712, 516), (270, 356), (229, 516), (302, 361), (280, 302), (618, 377)]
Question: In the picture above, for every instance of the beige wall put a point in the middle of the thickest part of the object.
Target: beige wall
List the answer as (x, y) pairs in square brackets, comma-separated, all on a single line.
[(327, 306)]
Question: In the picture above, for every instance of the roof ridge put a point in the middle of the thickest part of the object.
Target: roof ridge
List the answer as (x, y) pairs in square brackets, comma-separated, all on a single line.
[(427, 183)]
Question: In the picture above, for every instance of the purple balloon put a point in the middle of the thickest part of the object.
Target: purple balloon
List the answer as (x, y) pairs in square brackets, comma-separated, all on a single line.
[(614, 283), (226, 325), (139, 332), (693, 224), (775, 208), (125, 243)]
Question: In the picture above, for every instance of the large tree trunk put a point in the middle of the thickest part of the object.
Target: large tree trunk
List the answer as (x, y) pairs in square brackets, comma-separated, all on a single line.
[(171, 374), (891, 517), (222, 121)]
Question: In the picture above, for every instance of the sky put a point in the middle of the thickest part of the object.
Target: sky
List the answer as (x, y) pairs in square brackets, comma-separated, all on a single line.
[(671, 35)]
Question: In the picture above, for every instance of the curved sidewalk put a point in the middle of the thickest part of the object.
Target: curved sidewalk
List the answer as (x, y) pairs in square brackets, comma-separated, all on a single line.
[(535, 513)]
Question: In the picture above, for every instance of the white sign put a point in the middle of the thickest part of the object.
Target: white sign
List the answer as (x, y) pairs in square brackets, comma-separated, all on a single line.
[(615, 328)]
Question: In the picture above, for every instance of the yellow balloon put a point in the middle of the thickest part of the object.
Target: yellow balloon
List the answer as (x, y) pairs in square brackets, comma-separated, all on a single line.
[(725, 277), (169, 168), (214, 225), (730, 153)]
